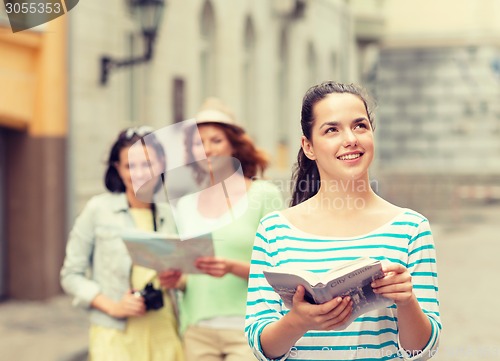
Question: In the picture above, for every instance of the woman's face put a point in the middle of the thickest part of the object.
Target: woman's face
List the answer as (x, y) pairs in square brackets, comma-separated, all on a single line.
[(214, 145), (135, 170), (212, 142), (341, 138)]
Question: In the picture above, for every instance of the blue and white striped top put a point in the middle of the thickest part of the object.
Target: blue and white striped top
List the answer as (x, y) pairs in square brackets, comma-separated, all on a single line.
[(406, 239)]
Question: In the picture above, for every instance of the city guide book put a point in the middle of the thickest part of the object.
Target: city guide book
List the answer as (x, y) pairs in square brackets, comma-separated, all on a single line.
[(352, 279), (160, 251)]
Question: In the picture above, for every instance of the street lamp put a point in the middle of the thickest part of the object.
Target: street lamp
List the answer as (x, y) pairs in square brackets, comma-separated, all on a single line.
[(150, 13)]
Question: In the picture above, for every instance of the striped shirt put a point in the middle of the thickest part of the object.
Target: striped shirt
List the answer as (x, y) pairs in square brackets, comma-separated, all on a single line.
[(406, 239)]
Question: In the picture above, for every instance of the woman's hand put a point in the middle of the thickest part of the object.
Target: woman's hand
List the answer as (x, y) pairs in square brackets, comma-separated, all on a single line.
[(130, 305), (396, 284), (214, 266), (327, 316), (170, 278), (278, 337)]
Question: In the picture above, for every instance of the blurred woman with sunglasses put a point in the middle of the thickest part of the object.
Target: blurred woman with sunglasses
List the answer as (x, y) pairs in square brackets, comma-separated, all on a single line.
[(98, 270)]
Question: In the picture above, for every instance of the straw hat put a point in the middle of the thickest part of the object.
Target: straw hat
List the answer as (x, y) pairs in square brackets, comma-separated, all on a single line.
[(213, 110)]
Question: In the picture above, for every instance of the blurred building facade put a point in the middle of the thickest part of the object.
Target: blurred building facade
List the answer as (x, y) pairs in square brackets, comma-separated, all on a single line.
[(33, 135), (436, 79), (57, 121), (258, 56)]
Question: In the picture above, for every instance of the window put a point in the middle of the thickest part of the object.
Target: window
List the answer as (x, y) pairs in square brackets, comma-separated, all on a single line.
[(207, 51), (282, 96), (312, 65), (134, 92), (283, 86), (249, 72), (178, 99), (334, 66)]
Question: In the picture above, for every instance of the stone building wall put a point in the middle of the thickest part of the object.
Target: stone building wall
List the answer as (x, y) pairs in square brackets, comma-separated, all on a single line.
[(438, 124)]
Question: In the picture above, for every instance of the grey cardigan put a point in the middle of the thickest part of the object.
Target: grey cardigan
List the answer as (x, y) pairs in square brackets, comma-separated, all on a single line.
[(97, 260)]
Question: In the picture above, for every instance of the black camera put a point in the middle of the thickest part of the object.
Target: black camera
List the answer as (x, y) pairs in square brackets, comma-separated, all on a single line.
[(153, 298)]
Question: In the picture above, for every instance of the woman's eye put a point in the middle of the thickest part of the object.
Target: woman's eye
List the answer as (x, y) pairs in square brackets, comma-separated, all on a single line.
[(331, 130)]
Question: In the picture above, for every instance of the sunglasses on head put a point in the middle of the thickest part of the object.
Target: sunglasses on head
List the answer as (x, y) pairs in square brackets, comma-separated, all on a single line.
[(139, 131)]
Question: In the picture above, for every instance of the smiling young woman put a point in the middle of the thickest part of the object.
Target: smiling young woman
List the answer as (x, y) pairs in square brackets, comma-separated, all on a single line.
[(335, 217), (229, 204), (121, 327)]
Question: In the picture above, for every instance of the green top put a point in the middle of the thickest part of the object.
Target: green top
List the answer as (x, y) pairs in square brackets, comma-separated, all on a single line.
[(207, 297)]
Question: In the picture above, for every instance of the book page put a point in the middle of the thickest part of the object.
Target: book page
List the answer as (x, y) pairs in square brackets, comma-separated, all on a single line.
[(285, 284)]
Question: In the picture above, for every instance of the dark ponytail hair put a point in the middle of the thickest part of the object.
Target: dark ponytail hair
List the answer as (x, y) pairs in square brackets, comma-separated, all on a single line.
[(305, 177)]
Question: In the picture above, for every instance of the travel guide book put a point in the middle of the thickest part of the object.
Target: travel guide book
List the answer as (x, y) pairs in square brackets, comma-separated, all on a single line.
[(352, 279), (160, 251)]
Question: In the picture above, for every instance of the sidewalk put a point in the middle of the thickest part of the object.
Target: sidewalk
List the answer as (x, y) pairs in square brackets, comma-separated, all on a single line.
[(51, 330), (468, 267)]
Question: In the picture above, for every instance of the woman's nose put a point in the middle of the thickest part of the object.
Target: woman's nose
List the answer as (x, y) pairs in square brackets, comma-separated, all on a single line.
[(208, 149), (143, 172), (350, 139)]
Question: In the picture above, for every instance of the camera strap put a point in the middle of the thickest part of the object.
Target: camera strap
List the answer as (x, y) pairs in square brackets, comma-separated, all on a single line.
[(171, 293), (153, 211)]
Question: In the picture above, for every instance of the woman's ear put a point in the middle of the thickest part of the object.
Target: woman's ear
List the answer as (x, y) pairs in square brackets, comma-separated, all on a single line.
[(307, 147)]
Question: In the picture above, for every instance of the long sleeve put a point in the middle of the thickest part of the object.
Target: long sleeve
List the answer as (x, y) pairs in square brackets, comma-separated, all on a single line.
[(263, 304), (78, 260), (422, 267)]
